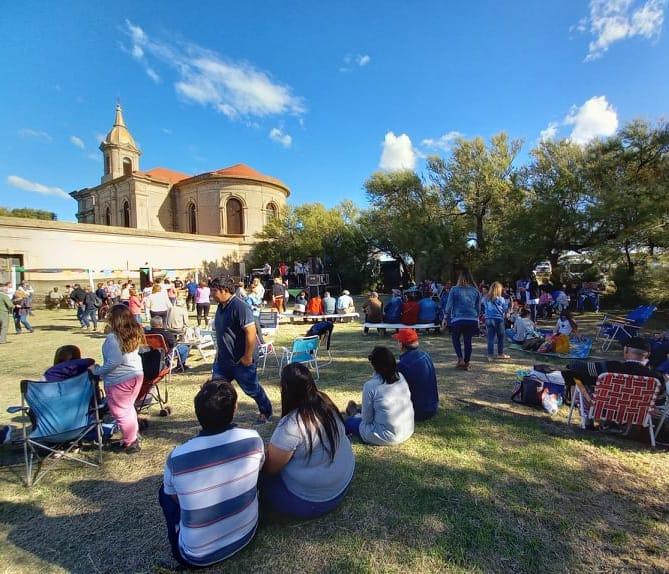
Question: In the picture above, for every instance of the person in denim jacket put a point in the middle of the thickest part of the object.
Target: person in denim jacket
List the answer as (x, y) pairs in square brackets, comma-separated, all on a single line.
[(495, 308), (462, 312)]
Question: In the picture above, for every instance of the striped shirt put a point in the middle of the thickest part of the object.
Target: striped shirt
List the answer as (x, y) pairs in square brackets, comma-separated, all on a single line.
[(215, 478)]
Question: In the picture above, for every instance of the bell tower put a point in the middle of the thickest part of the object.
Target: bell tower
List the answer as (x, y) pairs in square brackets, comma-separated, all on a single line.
[(120, 153)]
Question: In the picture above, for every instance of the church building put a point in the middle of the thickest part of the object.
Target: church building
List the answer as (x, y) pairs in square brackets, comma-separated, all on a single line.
[(234, 202)]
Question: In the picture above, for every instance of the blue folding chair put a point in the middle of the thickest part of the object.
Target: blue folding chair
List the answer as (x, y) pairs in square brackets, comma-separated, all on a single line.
[(622, 328), (62, 413), (304, 350)]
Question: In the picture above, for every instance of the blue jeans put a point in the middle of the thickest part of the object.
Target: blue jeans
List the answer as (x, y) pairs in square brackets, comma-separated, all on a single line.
[(247, 379), (183, 351), (495, 328), (275, 495), (352, 425), (22, 320), (90, 316), (465, 329), (80, 315)]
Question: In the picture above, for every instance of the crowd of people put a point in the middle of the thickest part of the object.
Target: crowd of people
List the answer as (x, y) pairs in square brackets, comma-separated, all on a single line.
[(215, 484)]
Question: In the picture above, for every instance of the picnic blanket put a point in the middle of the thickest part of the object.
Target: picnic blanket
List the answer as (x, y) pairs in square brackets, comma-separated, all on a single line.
[(579, 348)]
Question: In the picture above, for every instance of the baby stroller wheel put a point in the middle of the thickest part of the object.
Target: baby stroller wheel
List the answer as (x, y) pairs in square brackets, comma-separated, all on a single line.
[(165, 411)]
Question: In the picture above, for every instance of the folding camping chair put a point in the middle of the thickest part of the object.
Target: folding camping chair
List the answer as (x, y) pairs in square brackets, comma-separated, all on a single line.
[(205, 343), (622, 328), (158, 342), (63, 412), (662, 411), (304, 350), (621, 399), (265, 350), (269, 322), (155, 371), (323, 330)]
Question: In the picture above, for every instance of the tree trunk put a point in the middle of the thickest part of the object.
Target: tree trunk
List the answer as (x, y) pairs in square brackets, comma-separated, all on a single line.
[(628, 257), (480, 236)]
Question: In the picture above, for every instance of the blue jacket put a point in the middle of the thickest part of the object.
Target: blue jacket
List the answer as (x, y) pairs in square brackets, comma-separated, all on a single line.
[(67, 370), (418, 370), (495, 309), (393, 311), (427, 310), (463, 304)]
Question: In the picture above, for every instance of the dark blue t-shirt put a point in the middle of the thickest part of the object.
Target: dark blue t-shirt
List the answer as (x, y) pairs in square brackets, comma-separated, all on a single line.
[(229, 324)]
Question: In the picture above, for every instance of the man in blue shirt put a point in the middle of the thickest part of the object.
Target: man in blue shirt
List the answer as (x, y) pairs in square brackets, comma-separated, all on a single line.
[(191, 287), (418, 370), (237, 354), (393, 310)]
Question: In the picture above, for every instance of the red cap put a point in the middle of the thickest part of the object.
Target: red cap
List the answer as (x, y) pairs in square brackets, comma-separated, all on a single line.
[(406, 336)]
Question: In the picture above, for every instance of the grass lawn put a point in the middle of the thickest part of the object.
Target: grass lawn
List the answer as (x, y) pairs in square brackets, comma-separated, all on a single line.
[(486, 486)]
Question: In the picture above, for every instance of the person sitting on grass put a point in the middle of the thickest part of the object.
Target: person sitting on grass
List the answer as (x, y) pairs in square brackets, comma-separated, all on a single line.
[(566, 325), (523, 327), (387, 412), (417, 368), (310, 462), (209, 494), (170, 340)]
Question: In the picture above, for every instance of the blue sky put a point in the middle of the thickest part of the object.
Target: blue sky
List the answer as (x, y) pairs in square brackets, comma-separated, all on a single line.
[(318, 95)]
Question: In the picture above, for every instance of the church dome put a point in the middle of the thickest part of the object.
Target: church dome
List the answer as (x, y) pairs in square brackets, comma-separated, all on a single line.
[(119, 134)]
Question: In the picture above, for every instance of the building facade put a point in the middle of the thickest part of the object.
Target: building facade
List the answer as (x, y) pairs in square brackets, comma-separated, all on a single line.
[(234, 202)]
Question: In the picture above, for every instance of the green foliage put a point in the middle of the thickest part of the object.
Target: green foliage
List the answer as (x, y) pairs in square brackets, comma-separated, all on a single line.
[(28, 213)]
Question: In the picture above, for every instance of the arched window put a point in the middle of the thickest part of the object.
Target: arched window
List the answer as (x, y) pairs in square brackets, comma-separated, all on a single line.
[(234, 215), (192, 218), (126, 214), (271, 212), (107, 216), (127, 166), (107, 164)]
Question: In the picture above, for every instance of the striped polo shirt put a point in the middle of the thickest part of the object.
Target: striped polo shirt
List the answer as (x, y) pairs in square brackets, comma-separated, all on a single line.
[(215, 478)]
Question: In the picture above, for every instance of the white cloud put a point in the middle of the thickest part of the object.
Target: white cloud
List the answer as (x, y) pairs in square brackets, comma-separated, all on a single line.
[(279, 136), (611, 21), (167, 131), (443, 142), (93, 156), (99, 138), (28, 133), (27, 185), (595, 118), (152, 74), (398, 153), (236, 89), (77, 142), (353, 60), (549, 132)]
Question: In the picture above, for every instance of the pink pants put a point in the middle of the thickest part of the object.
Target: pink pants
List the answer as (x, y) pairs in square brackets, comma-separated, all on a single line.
[(121, 400)]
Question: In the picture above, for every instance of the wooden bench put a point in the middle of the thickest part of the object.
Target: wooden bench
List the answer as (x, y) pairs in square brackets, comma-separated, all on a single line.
[(315, 318), (397, 326)]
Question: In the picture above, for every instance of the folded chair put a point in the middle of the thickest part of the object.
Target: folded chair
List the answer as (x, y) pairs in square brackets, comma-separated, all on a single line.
[(63, 414), (158, 342), (620, 329), (205, 343), (304, 350), (155, 371), (621, 399)]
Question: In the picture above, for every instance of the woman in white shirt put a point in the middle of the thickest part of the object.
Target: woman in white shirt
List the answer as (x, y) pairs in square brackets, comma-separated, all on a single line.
[(387, 412), (158, 303), (566, 325)]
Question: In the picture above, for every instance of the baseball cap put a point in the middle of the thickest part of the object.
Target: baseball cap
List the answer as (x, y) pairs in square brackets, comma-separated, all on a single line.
[(638, 343), (406, 336)]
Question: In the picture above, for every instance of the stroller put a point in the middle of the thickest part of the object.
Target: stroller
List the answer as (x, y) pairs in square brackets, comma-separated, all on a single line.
[(155, 370)]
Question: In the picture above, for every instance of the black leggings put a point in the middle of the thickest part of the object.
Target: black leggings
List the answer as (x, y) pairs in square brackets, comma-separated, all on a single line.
[(202, 313), (466, 329)]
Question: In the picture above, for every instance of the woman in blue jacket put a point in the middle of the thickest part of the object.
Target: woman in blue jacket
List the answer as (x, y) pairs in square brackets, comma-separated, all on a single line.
[(495, 308), (462, 314)]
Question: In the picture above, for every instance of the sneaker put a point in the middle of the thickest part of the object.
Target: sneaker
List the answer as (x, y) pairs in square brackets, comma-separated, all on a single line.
[(465, 366), (133, 448), (460, 364), (504, 356), (491, 358)]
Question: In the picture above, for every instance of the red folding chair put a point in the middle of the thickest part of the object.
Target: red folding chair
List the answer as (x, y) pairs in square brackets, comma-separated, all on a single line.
[(621, 399), (155, 372), (158, 342)]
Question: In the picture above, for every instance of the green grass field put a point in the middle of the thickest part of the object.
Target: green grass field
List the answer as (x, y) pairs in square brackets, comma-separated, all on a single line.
[(486, 486)]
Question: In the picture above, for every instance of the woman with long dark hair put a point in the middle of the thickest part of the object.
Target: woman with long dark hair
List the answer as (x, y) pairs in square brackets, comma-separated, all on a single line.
[(387, 412), (122, 372), (462, 313), (310, 462)]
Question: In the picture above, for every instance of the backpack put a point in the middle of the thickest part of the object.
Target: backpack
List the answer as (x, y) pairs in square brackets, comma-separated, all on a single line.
[(528, 392)]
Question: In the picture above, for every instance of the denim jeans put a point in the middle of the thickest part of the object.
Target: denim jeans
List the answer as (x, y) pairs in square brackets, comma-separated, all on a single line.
[(183, 351), (495, 328), (352, 425), (275, 495), (90, 316), (465, 329), (80, 315), (247, 379), (22, 320)]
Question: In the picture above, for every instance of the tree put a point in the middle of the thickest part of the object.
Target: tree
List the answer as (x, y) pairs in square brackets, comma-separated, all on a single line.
[(28, 213)]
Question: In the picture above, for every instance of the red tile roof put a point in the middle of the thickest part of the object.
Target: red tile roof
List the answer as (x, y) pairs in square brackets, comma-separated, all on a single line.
[(243, 171), (164, 174)]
